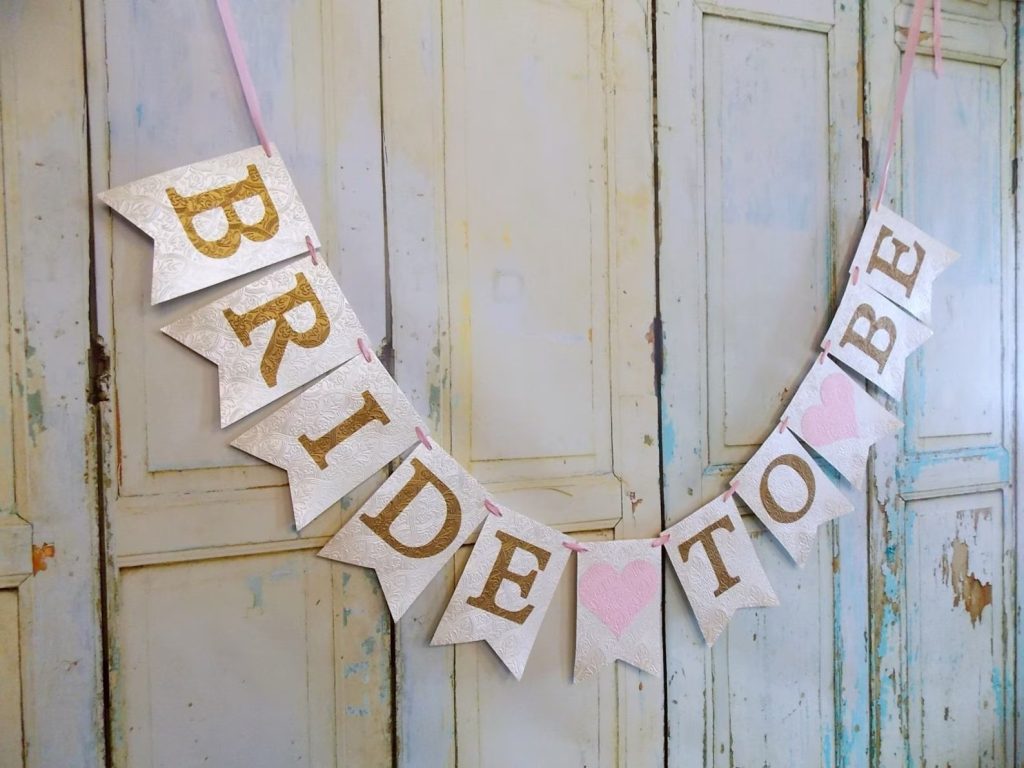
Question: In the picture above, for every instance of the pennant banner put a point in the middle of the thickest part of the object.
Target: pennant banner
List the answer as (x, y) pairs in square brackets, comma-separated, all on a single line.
[(618, 606), (222, 218), (873, 336), (273, 335), (789, 493), (217, 219), (335, 435), (714, 558), (506, 588), (412, 525), (900, 261), (838, 419)]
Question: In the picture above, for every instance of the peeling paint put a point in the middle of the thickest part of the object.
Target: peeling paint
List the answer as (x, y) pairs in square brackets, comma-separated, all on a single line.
[(40, 554), (34, 405), (968, 589)]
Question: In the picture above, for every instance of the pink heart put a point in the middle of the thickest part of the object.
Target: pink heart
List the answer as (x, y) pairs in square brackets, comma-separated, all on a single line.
[(617, 597), (836, 418)]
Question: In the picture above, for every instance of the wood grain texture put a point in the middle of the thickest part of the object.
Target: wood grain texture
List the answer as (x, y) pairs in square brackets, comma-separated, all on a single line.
[(50, 424)]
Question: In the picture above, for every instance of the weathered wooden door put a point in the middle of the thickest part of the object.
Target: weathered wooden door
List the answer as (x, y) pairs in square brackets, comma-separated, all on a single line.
[(51, 681), (895, 646), (485, 195), (482, 174)]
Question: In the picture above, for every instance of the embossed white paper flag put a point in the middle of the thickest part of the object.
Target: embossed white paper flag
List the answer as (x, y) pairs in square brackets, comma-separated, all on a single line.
[(900, 261), (618, 606), (789, 493), (335, 435), (874, 337), (216, 219), (273, 335), (835, 416), (412, 525), (506, 588), (714, 558)]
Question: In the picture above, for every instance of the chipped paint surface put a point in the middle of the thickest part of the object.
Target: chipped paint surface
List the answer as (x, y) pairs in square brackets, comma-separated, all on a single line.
[(968, 590)]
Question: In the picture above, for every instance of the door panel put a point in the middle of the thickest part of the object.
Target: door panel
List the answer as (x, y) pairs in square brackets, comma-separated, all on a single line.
[(204, 553), (942, 543), (51, 682), (520, 227), (760, 200)]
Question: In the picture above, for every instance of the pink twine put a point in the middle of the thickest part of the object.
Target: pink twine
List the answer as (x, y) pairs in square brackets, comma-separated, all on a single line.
[(661, 541), (575, 546), (824, 351), (492, 508), (423, 438), (365, 350), (855, 276), (783, 424), (907, 68), (242, 67), (312, 250), (732, 489)]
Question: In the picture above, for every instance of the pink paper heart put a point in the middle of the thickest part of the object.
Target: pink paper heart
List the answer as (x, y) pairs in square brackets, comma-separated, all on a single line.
[(836, 418), (617, 597)]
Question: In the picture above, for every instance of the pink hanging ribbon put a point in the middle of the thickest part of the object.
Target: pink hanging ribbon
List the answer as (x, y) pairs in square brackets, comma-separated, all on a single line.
[(913, 36), (242, 67)]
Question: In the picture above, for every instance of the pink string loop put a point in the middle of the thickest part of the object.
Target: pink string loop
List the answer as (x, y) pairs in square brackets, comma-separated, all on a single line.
[(937, 36), (365, 350), (906, 69), (312, 250), (661, 541), (422, 437), (731, 490), (824, 351), (855, 276), (575, 546), (783, 424), (227, 19), (492, 508)]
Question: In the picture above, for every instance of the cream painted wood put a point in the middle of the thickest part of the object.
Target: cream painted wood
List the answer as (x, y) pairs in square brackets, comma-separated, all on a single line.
[(760, 198), (520, 228), (50, 666), (203, 551), (943, 513)]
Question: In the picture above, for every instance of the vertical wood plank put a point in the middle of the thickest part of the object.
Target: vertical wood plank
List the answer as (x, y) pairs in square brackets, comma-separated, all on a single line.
[(46, 246)]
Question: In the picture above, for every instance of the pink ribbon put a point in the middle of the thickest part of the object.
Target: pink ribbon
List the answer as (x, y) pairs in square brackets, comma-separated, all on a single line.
[(242, 67), (913, 36)]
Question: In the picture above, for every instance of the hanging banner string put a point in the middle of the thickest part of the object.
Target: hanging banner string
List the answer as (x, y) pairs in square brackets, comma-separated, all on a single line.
[(907, 68), (242, 67)]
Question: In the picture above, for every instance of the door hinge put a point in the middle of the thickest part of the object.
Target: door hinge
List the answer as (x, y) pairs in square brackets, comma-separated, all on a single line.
[(99, 371)]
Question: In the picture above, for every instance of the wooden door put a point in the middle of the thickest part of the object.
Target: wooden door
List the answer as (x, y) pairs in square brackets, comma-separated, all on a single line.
[(51, 681), (943, 533), (896, 645), (231, 643), (518, 181), (495, 234)]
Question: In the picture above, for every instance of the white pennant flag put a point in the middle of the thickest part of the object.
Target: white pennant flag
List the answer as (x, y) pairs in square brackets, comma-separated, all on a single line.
[(618, 606), (273, 335), (217, 219), (874, 337), (789, 493), (838, 419), (506, 588), (900, 261), (412, 525), (714, 558), (335, 435)]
